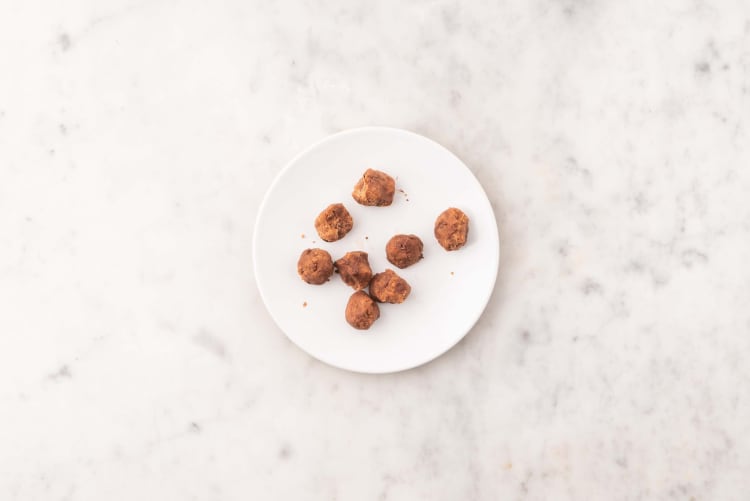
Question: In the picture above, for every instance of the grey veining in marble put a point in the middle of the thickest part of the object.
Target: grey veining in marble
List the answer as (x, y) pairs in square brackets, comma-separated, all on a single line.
[(138, 362)]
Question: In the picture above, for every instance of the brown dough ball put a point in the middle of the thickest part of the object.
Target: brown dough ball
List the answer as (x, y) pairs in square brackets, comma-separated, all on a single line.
[(333, 223), (388, 287), (404, 250), (374, 188), (315, 266), (361, 310), (354, 269), (451, 229)]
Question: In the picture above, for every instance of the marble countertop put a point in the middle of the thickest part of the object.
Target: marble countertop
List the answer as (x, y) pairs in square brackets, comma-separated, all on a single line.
[(137, 360)]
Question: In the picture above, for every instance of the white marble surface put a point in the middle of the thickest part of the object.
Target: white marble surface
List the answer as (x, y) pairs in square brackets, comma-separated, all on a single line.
[(137, 139)]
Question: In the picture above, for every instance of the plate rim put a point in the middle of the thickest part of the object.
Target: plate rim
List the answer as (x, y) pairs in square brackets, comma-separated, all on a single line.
[(355, 130)]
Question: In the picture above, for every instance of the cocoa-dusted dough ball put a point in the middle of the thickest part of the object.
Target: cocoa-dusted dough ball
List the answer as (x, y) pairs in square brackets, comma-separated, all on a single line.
[(388, 287), (374, 188), (333, 223), (451, 229), (354, 269), (361, 310), (315, 266), (404, 250)]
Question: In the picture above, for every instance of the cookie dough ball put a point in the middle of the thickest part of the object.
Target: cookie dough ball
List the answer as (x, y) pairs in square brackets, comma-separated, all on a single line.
[(315, 266), (354, 269), (387, 287), (333, 223), (451, 229), (404, 250), (374, 188), (361, 311)]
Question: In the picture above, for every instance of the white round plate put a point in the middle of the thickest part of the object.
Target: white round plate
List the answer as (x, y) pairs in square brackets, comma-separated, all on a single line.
[(449, 289)]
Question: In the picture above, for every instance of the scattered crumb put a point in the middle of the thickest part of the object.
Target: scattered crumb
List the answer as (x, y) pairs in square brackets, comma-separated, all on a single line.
[(64, 41), (407, 199), (62, 373), (451, 273), (315, 241), (400, 190), (304, 305), (508, 465), (303, 235), (366, 237)]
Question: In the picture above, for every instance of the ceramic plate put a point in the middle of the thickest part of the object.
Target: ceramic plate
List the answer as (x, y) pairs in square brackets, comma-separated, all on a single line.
[(449, 289)]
